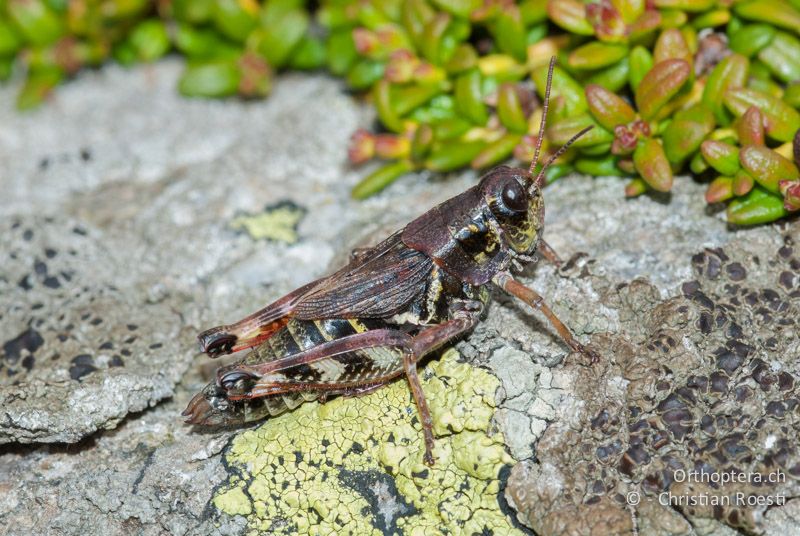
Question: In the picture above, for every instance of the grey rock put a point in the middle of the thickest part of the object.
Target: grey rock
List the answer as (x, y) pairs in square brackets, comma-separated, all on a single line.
[(516, 371), (153, 182), (517, 429), (81, 349)]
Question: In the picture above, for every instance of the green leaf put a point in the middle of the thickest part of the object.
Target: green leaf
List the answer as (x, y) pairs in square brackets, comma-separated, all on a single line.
[(652, 164), (659, 85), (756, 207)]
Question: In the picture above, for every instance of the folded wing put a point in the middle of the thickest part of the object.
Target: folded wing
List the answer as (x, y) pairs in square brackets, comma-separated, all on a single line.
[(380, 283)]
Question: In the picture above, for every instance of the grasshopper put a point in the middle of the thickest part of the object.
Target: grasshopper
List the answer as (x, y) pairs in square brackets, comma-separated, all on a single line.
[(370, 322)]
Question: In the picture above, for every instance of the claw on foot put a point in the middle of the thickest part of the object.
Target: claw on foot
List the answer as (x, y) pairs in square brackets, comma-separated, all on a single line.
[(587, 352)]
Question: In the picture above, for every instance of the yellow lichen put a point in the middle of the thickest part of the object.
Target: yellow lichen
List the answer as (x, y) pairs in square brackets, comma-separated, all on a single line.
[(354, 466), (234, 501), (277, 223)]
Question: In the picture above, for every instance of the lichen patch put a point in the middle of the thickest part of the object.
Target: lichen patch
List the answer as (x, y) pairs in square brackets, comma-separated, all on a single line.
[(693, 389), (278, 223), (354, 465)]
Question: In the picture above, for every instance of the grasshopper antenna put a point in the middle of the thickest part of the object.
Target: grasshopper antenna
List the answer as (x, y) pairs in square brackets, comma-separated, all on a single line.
[(543, 122), (538, 181)]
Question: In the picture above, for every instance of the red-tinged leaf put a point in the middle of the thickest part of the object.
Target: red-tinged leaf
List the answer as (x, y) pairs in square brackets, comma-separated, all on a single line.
[(720, 189), (743, 182), (392, 146), (607, 108), (791, 194), (659, 85), (607, 21), (751, 127), (362, 146), (652, 165), (635, 188), (627, 136), (671, 45), (767, 167), (781, 121), (626, 165), (648, 22)]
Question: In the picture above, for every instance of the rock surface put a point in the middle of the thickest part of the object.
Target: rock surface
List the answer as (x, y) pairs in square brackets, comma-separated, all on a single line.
[(703, 382), (354, 466), (126, 205)]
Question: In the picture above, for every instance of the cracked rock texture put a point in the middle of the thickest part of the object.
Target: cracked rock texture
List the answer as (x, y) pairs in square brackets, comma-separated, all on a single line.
[(355, 466), (83, 344), (705, 381), (132, 219)]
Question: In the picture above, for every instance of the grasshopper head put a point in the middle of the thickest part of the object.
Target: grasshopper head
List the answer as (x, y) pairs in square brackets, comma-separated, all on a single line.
[(515, 196), (517, 207)]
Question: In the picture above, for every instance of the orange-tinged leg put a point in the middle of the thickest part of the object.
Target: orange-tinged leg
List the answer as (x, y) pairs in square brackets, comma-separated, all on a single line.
[(506, 282), (549, 253)]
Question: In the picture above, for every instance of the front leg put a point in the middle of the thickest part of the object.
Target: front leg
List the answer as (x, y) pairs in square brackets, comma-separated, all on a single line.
[(549, 253), (506, 282)]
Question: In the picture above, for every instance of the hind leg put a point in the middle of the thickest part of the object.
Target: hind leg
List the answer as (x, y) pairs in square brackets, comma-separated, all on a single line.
[(359, 390), (425, 342)]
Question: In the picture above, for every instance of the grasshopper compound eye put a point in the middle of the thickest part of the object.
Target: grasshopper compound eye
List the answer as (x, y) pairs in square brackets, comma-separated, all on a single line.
[(514, 197)]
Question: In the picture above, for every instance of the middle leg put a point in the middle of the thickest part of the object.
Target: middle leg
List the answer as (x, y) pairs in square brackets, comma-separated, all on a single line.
[(347, 392), (465, 316), (506, 282)]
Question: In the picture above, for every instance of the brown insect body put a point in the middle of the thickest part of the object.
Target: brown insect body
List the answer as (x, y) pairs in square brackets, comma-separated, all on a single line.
[(476, 234), (371, 321), (409, 300)]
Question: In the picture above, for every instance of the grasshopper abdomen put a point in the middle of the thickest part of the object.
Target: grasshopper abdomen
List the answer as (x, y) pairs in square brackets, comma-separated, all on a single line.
[(230, 399)]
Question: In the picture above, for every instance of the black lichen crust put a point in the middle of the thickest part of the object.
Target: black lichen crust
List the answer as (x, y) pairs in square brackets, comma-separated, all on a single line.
[(706, 381)]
